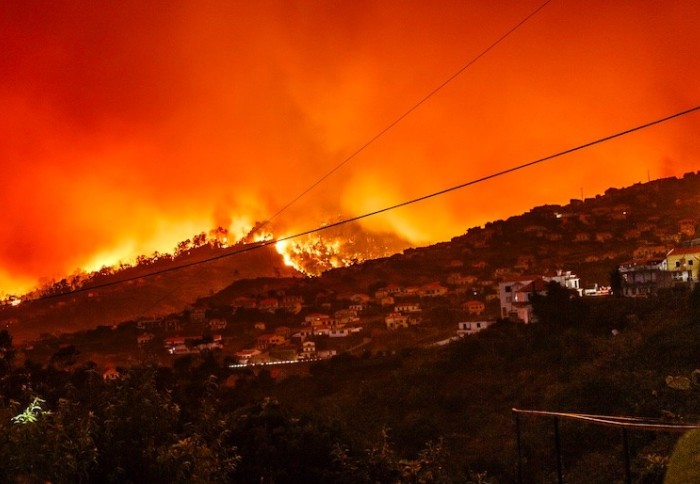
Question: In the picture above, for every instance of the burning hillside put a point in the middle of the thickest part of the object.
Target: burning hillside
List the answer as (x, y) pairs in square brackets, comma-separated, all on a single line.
[(312, 254), (339, 246)]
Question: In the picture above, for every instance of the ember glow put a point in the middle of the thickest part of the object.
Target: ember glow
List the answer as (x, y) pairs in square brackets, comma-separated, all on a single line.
[(127, 127)]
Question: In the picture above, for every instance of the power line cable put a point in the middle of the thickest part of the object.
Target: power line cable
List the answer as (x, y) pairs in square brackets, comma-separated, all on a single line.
[(406, 113), (267, 243)]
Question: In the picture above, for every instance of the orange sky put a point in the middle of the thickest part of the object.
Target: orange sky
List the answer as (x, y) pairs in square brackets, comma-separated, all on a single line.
[(127, 127)]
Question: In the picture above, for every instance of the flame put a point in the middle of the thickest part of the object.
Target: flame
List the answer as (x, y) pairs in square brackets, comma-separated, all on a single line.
[(283, 248), (213, 114), (341, 246)]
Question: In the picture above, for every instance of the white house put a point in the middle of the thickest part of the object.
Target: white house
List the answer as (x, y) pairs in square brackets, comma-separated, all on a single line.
[(515, 298), (244, 356), (472, 327), (407, 308), (515, 294)]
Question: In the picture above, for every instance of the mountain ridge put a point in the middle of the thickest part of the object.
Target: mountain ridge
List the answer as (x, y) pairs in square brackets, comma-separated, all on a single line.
[(590, 237)]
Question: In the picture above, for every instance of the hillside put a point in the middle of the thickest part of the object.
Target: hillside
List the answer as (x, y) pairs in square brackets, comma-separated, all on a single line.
[(393, 406), (589, 237), (106, 301)]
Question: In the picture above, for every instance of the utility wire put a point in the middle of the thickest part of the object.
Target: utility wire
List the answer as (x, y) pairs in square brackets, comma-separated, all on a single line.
[(616, 421), (406, 113), (266, 243)]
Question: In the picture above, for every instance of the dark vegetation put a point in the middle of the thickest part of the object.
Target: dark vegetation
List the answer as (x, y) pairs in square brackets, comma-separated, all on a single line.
[(416, 415)]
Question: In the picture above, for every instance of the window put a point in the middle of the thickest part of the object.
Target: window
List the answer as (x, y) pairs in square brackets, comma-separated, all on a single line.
[(678, 263)]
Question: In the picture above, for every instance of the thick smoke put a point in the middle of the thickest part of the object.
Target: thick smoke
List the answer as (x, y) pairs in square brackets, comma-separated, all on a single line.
[(128, 127)]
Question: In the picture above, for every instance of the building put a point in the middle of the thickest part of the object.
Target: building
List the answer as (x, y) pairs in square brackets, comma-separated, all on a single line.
[(565, 279), (395, 321), (644, 277), (684, 263), (474, 307), (515, 295), (468, 328), (245, 356), (407, 307), (434, 289), (316, 319), (265, 341)]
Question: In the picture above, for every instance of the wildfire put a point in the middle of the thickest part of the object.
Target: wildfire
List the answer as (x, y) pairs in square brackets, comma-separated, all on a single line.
[(311, 254), (339, 247)]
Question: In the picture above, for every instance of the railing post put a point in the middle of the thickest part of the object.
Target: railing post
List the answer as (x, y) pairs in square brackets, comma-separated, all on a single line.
[(557, 448), (626, 456), (518, 445)]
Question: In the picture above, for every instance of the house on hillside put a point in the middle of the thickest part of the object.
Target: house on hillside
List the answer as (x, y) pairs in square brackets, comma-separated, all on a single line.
[(308, 350), (474, 307), (565, 279), (433, 289), (386, 301), (457, 279), (393, 290), (316, 319), (247, 356), (266, 341), (684, 263), (468, 328), (515, 295), (644, 277), (343, 332), (396, 321), (407, 307), (358, 307)]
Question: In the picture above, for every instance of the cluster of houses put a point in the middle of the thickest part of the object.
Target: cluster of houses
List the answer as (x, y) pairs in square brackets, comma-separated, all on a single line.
[(645, 276), (400, 307), (641, 277)]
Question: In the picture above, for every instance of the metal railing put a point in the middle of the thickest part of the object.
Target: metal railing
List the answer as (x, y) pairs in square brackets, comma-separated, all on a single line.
[(625, 424)]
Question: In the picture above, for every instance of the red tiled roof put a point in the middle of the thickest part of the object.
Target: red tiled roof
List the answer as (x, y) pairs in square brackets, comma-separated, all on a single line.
[(685, 250), (538, 285)]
